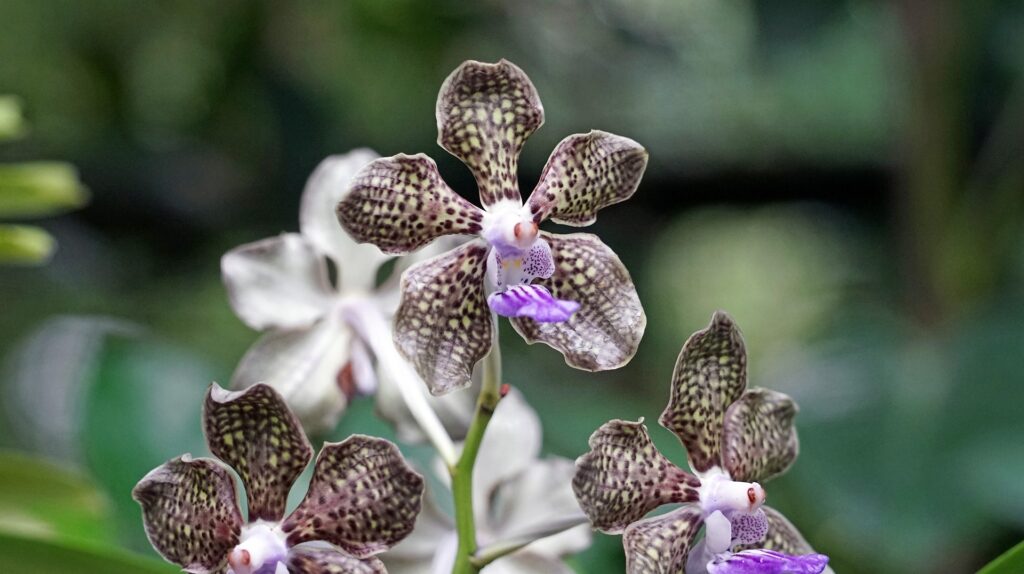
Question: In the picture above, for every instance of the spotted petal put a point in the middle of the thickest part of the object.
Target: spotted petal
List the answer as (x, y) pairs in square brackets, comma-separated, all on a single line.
[(710, 374), (400, 203), (257, 435), (363, 498), (624, 477), (279, 282), (759, 439), (606, 330), (316, 560), (484, 114), (443, 325), (660, 544), (782, 535), (190, 513), (330, 183), (586, 173)]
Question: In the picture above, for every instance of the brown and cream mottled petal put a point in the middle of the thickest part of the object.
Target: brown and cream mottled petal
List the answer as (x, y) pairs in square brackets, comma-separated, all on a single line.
[(782, 536), (710, 374), (606, 330), (316, 560), (443, 325), (257, 435), (400, 203), (363, 498), (660, 544), (586, 173), (624, 477), (484, 114), (190, 512), (759, 439)]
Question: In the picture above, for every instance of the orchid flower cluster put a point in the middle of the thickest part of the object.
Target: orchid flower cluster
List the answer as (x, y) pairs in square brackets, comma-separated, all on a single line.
[(327, 340)]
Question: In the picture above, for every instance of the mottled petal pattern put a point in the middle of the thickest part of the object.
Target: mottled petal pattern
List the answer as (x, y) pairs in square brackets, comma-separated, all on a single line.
[(586, 173), (710, 374), (484, 114), (660, 544), (624, 477), (400, 203), (443, 324), (257, 435), (759, 439), (190, 513), (767, 562), (605, 332), (782, 535), (314, 560), (531, 301), (363, 498), (279, 282)]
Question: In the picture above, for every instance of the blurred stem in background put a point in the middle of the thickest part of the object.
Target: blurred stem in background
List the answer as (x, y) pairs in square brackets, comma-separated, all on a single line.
[(960, 219)]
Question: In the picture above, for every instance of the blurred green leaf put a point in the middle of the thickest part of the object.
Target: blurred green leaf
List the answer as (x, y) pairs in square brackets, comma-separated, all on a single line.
[(12, 124), (25, 555), (39, 188), (1010, 562), (43, 500), (25, 245)]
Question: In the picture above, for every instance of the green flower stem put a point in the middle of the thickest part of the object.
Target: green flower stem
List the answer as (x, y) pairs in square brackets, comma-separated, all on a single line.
[(462, 474)]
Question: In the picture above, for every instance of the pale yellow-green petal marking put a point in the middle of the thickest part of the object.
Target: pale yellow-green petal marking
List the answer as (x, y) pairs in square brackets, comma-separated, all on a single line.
[(586, 173), (364, 498), (190, 513), (443, 324), (257, 435), (710, 374), (606, 330), (623, 477), (484, 114), (660, 545), (759, 439), (400, 203), (303, 560)]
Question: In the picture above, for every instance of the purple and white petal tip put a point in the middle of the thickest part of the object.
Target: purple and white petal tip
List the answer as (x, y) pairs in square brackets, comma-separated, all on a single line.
[(533, 301), (762, 561)]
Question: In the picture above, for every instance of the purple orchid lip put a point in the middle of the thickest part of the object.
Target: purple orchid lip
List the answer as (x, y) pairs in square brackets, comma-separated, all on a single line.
[(767, 562), (533, 301)]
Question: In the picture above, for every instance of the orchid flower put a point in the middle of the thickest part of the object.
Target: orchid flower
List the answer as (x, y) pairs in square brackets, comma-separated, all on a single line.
[(318, 350), (363, 497), (568, 291), (734, 437), (517, 495)]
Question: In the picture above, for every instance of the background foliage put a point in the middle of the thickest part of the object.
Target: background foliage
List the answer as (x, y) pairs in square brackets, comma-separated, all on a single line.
[(843, 176)]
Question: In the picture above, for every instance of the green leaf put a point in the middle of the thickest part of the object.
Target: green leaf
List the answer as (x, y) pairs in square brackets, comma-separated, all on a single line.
[(12, 124), (1010, 562), (25, 245), (27, 555), (39, 188), (43, 500)]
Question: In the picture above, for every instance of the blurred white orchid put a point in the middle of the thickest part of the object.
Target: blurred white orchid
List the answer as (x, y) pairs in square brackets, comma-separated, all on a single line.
[(518, 498), (327, 341)]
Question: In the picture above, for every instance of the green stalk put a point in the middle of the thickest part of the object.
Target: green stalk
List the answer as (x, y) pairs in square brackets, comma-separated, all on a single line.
[(462, 474)]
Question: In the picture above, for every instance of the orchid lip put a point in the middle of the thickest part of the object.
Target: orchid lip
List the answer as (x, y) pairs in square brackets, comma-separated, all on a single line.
[(262, 547)]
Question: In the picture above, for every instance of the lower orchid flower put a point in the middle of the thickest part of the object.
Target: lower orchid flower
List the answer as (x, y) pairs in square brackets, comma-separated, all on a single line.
[(518, 499), (734, 437), (363, 497)]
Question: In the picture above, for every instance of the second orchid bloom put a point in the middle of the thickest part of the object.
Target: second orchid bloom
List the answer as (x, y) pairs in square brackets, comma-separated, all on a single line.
[(568, 291), (734, 437)]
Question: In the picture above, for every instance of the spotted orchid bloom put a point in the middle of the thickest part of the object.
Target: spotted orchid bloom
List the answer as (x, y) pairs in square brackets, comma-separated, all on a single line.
[(516, 494), (316, 350), (734, 437), (568, 291), (363, 497)]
